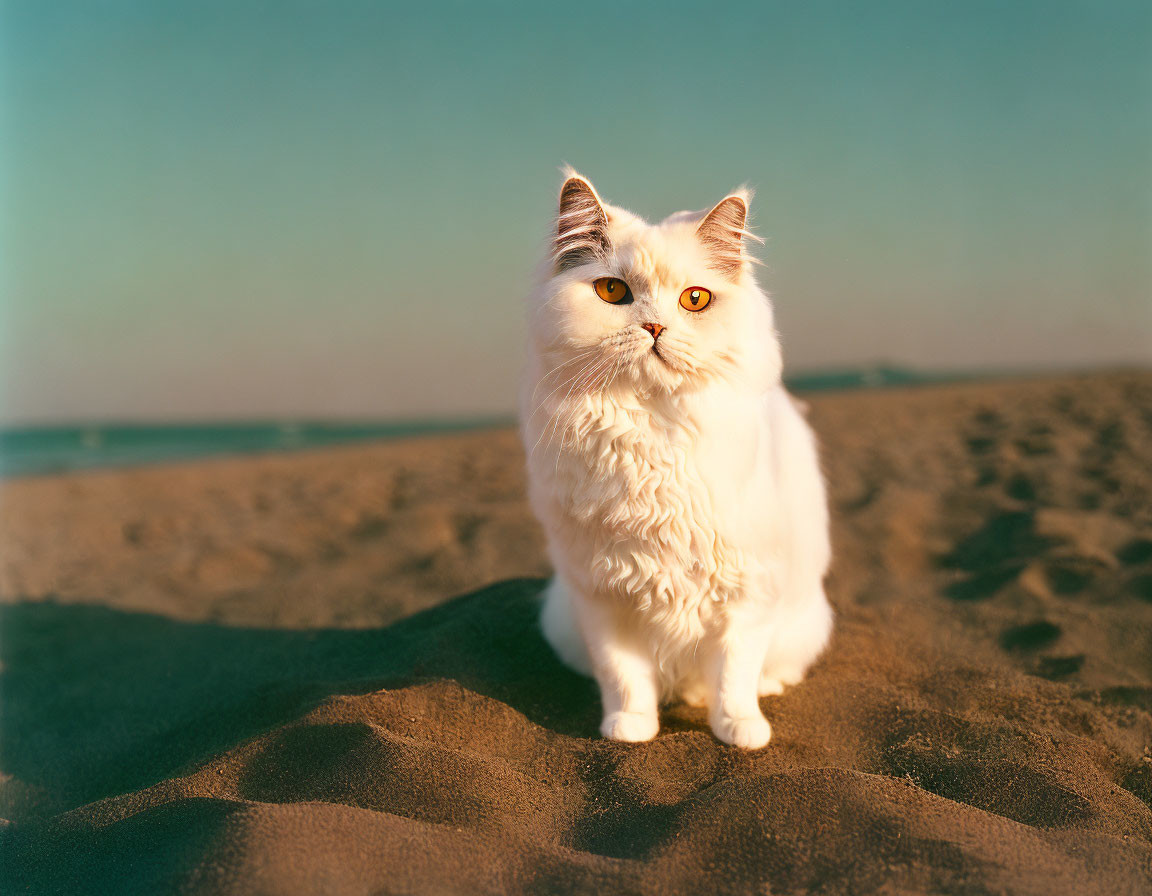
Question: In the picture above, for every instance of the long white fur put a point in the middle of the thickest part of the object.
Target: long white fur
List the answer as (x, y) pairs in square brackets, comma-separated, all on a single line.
[(680, 492)]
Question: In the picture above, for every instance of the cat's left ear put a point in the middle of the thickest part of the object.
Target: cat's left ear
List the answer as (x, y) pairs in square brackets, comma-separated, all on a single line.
[(723, 232)]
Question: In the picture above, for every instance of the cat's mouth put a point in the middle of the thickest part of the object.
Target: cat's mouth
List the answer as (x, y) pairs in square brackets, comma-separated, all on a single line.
[(662, 363)]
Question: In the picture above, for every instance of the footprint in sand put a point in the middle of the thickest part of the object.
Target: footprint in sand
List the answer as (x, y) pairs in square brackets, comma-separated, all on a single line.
[(984, 584), (988, 418), (1138, 552), (1141, 586), (1004, 537), (981, 444), (1055, 668), (1030, 636), (1135, 552), (995, 554), (1021, 487), (1037, 442), (1110, 436), (1068, 576)]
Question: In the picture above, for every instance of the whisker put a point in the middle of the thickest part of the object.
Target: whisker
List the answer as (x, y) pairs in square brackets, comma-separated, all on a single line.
[(582, 384), (563, 364), (595, 375), (575, 380), (601, 382), (544, 400)]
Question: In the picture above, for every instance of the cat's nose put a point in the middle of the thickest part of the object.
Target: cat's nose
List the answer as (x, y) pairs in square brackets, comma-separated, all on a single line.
[(654, 329)]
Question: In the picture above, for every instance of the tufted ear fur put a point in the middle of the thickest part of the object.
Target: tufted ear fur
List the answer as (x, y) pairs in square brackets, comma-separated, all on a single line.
[(723, 231), (581, 224)]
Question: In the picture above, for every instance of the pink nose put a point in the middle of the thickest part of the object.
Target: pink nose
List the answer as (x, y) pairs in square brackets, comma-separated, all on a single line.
[(654, 329)]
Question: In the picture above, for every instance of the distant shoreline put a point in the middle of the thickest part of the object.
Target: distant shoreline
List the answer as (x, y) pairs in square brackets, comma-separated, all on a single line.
[(49, 449)]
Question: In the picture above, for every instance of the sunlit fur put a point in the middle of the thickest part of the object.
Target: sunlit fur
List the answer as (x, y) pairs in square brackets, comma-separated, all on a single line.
[(677, 482)]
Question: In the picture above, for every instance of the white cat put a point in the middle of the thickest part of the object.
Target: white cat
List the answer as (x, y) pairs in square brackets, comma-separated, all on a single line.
[(677, 483)]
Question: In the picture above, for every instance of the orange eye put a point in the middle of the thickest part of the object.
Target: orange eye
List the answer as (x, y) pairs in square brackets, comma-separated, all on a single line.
[(612, 290), (695, 298)]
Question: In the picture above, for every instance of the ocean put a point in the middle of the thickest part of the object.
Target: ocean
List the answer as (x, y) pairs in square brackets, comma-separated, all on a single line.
[(41, 450)]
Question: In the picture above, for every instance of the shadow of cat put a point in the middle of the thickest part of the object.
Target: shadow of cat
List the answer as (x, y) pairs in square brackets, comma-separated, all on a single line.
[(99, 701)]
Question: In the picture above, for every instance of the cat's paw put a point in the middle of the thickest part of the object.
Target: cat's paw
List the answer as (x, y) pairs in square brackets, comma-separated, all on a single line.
[(749, 733), (630, 726)]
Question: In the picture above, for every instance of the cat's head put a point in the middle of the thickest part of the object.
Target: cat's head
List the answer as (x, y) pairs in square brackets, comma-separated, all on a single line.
[(661, 307)]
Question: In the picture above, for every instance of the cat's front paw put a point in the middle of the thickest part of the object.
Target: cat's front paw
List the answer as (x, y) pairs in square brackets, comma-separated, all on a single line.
[(630, 726), (749, 733)]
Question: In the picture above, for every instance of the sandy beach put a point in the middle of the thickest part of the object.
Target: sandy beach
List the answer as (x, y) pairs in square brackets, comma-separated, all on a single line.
[(320, 673)]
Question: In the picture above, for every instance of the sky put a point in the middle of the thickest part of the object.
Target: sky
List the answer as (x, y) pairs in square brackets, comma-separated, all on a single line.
[(229, 210)]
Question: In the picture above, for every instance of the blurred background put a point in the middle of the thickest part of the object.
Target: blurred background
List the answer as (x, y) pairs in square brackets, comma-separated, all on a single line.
[(223, 212)]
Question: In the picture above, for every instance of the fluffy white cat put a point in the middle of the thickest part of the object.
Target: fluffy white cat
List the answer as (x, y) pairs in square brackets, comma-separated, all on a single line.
[(677, 482)]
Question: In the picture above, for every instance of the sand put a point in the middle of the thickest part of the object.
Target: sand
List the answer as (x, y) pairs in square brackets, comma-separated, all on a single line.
[(258, 675)]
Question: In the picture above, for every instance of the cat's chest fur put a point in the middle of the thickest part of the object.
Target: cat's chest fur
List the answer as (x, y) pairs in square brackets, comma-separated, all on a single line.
[(656, 500)]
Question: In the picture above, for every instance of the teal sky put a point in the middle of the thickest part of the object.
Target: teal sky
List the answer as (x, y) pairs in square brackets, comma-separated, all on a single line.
[(219, 210)]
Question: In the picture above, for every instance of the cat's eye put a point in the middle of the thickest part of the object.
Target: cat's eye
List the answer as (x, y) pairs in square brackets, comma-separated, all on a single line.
[(612, 290), (695, 298)]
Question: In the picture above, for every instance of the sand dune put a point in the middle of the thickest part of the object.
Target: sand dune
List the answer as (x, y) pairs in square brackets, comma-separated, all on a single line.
[(251, 676)]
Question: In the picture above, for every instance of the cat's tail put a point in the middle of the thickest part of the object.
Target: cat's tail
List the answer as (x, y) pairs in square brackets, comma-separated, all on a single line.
[(558, 622)]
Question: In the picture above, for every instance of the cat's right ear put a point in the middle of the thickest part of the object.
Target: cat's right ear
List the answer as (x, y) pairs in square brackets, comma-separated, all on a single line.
[(581, 225), (723, 230)]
